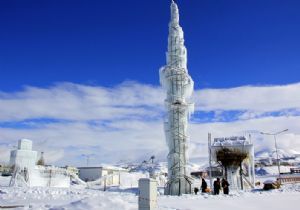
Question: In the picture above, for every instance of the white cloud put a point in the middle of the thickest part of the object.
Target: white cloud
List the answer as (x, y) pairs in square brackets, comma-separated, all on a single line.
[(125, 122), (251, 98), (69, 101)]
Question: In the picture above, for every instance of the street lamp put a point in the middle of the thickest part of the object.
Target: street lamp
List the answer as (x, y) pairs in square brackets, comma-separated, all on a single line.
[(274, 135), (88, 156)]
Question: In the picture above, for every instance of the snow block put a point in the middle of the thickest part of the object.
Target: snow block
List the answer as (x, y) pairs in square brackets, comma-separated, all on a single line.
[(147, 194)]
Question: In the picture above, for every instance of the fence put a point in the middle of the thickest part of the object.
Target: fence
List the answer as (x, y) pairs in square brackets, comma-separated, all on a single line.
[(295, 179)]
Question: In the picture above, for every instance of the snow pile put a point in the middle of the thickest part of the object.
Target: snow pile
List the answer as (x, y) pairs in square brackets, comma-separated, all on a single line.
[(131, 179), (269, 181), (4, 181), (105, 202), (125, 180), (272, 170), (61, 198), (49, 176)]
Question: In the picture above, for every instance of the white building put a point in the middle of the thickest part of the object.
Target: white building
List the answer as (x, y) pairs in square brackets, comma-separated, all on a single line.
[(94, 173), (23, 156), (239, 176)]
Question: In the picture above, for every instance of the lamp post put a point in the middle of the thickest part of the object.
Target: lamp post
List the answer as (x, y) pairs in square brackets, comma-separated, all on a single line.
[(88, 156), (276, 149)]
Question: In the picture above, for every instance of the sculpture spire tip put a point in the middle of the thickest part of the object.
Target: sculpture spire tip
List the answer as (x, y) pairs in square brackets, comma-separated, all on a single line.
[(174, 12)]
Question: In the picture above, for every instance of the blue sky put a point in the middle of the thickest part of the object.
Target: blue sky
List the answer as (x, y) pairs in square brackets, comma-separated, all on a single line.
[(230, 43), (81, 77)]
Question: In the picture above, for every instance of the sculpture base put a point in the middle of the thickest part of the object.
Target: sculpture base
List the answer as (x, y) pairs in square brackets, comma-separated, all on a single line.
[(179, 186)]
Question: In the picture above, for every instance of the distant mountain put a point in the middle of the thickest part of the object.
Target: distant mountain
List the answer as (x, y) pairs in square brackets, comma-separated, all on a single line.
[(282, 153)]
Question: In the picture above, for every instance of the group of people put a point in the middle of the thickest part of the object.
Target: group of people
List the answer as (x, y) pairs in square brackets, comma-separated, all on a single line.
[(218, 184)]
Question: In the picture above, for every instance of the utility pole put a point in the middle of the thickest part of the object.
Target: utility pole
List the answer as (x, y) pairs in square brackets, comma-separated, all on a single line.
[(209, 152)]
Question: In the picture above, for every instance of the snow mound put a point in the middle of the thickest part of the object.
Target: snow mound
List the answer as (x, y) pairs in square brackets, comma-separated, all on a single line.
[(272, 170)]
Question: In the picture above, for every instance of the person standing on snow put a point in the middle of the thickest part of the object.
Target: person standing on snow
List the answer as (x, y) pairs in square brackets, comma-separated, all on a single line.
[(203, 186), (196, 190), (217, 186), (225, 186)]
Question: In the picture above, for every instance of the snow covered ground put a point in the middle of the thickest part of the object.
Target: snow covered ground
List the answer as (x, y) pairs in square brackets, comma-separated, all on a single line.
[(58, 198)]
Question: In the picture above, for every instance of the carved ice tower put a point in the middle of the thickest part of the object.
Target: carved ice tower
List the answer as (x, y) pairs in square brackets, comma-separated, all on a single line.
[(178, 84)]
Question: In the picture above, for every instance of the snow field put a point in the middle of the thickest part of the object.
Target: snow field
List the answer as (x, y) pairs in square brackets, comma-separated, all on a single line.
[(61, 198)]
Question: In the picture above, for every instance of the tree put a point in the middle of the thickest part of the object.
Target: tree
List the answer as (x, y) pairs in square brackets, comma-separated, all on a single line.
[(41, 161)]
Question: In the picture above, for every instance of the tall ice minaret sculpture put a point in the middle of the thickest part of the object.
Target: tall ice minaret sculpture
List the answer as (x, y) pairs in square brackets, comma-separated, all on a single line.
[(178, 84)]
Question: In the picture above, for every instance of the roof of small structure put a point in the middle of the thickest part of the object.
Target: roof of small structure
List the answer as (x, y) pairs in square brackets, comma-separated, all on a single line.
[(269, 181), (231, 141)]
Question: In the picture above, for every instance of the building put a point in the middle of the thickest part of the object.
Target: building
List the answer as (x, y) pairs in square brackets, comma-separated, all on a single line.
[(179, 86), (23, 156), (89, 174)]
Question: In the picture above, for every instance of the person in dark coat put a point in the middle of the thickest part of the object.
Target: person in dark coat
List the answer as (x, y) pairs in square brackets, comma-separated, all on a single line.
[(225, 186), (217, 186), (203, 186), (196, 190)]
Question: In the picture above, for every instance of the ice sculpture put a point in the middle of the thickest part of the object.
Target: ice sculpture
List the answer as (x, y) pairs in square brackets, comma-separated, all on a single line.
[(175, 79), (236, 155), (23, 156)]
